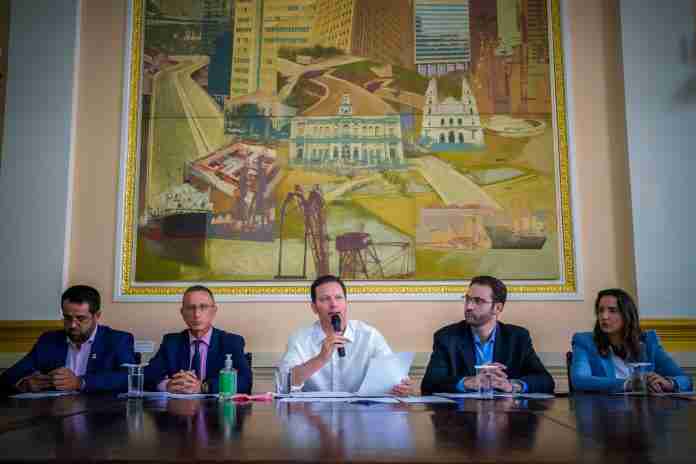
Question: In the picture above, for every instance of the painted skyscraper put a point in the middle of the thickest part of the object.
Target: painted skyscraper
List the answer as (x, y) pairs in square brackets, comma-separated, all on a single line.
[(286, 24), (246, 52), (216, 21), (262, 28), (442, 36), (509, 35), (380, 30)]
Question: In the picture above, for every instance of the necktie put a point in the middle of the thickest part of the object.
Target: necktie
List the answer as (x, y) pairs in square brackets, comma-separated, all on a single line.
[(196, 359)]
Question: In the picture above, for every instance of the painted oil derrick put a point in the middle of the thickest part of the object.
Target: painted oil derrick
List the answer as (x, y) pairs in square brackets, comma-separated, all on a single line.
[(315, 236)]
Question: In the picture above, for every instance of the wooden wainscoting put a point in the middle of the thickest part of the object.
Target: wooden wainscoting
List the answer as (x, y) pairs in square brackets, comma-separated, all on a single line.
[(676, 335), (20, 336)]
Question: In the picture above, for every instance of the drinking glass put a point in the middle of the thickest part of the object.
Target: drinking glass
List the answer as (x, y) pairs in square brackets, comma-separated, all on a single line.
[(485, 374), (639, 376), (283, 380), (136, 379)]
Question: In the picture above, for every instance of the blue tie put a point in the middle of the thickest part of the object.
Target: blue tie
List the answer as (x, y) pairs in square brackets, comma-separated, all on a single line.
[(196, 359)]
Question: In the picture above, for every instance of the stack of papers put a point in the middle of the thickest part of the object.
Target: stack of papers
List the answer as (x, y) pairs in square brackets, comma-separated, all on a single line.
[(345, 397)]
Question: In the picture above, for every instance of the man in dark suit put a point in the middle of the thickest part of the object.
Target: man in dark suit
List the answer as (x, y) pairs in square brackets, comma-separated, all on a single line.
[(85, 356), (190, 361), (481, 339)]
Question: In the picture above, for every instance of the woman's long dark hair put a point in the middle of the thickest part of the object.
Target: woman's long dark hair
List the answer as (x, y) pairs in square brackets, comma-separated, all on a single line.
[(631, 348)]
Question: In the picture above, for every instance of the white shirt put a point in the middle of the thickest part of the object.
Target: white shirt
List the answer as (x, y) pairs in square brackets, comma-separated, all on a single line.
[(77, 357), (339, 374), (621, 369)]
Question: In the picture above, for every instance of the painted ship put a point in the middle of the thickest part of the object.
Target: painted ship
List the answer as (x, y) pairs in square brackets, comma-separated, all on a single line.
[(524, 231), (179, 213), (505, 238)]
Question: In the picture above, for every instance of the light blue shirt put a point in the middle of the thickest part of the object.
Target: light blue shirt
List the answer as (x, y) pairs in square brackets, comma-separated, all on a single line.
[(484, 355)]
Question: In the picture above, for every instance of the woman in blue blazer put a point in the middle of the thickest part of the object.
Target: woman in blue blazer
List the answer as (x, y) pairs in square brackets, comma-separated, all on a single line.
[(599, 356)]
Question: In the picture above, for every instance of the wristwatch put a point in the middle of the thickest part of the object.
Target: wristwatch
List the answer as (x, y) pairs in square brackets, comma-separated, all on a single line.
[(204, 387), (83, 384), (517, 386)]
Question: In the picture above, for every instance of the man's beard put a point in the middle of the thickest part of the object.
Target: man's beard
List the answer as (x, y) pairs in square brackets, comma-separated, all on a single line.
[(78, 337), (477, 321)]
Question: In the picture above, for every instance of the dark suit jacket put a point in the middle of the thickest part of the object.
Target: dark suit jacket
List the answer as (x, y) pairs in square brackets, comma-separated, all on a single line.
[(454, 357), (110, 349), (174, 354)]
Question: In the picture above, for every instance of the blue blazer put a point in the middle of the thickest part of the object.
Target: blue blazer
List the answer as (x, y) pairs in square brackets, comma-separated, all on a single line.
[(175, 352), (592, 372), (454, 357), (110, 349)]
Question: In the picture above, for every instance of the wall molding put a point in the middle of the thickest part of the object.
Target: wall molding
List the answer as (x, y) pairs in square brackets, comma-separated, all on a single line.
[(677, 334), (20, 336)]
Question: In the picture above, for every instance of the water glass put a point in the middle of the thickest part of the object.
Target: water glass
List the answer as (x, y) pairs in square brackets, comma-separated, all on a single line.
[(283, 379), (136, 379), (639, 376), (485, 375)]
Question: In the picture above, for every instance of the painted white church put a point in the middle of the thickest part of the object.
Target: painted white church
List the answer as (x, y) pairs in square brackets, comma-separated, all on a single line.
[(450, 121)]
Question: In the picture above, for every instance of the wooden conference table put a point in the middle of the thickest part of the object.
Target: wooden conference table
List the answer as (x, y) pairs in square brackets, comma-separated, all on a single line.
[(578, 428)]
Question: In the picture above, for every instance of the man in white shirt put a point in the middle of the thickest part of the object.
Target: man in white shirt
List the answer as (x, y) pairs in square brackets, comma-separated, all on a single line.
[(313, 353)]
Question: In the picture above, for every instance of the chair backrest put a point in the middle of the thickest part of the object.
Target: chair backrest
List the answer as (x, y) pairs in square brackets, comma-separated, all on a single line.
[(248, 358), (569, 362)]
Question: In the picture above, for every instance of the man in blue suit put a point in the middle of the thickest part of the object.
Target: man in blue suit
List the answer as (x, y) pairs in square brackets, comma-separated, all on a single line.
[(85, 356), (480, 339), (190, 361)]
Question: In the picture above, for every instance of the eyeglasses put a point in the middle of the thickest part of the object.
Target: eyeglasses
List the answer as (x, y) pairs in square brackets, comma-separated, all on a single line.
[(201, 307), (477, 301), (79, 319)]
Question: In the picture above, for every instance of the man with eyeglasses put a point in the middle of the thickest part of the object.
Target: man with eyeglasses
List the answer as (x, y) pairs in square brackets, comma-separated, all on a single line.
[(85, 356), (190, 361), (481, 339)]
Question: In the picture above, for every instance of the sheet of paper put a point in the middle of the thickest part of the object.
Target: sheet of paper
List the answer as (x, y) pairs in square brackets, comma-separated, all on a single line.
[(535, 396), (385, 372), (345, 399), (374, 399), (685, 394), (315, 399), (44, 394), (424, 399), (165, 395), (321, 394)]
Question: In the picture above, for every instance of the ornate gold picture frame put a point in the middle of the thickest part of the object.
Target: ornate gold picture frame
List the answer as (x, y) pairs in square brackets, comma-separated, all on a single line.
[(405, 145)]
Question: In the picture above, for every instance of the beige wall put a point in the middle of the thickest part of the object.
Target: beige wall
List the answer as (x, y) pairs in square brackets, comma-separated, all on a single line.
[(4, 37), (602, 185)]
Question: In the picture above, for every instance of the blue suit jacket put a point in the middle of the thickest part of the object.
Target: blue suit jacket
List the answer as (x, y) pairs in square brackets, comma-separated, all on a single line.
[(453, 358), (175, 352), (592, 372), (110, 349)]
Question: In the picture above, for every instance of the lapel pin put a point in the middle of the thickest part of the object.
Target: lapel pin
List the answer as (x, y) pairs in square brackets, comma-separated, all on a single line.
[(94, 356)]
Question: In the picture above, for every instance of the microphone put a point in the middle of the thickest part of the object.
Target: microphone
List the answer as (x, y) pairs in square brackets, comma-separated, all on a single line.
[(336, 324)]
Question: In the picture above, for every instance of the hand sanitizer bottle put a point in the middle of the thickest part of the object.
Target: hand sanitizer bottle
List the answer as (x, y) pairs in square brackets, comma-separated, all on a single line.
[(228, 379)]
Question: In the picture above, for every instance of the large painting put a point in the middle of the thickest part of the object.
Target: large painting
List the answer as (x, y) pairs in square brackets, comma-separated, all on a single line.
[(405, 145)]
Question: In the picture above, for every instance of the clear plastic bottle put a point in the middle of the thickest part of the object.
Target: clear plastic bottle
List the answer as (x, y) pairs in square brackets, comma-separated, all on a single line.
[(228, 379)]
